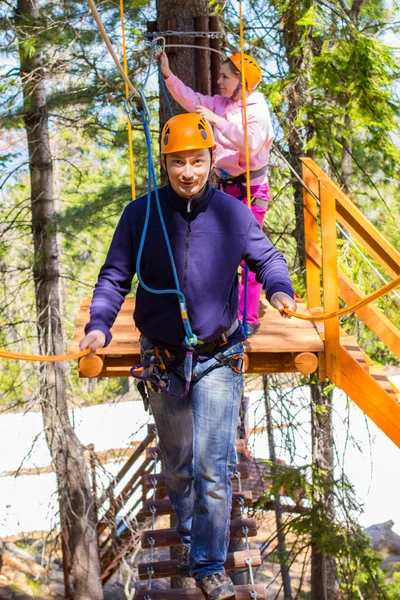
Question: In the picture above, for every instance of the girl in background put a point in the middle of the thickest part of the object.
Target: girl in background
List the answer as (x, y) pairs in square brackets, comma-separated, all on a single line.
[(224, 112)]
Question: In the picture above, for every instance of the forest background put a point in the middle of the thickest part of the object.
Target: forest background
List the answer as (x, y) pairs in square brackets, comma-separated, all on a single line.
[(330, 75)]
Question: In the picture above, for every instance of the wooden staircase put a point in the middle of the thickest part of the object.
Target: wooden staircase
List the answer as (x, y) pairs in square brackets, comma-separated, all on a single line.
[(343, 361), (119, 536)]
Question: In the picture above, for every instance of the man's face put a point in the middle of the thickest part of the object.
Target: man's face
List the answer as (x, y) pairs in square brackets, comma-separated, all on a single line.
[(188, 170)]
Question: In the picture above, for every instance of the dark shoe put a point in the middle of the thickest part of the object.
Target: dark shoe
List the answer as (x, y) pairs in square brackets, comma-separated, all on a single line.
[(252, 330), (217, 586), (183, 566)]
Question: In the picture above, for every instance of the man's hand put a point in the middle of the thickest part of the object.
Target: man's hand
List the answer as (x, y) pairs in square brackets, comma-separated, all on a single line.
[(280, 300), (208, 114), (164, 64), (95, 339)]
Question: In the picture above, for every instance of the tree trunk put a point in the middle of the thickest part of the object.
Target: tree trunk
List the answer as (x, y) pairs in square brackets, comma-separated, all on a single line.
[(180, 15), (65, 448), (282, 551), (324, 582)]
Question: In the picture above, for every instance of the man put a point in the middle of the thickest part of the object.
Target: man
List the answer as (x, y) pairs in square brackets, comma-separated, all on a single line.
[(210, 234)]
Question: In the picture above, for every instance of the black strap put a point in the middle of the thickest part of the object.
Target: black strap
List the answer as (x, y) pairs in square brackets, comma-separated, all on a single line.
[(234, 362), (242, 178), (141, 386)]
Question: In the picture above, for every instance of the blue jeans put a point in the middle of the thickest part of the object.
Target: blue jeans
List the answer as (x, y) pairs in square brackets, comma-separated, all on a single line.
[(197, 440)]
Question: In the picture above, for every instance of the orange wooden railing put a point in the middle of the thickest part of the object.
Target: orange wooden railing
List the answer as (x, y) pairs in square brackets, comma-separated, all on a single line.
[(320, 224)]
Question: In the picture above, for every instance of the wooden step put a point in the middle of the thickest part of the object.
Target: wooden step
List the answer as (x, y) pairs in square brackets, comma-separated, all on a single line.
[(381, 378), (170, 537), (242, 468), (170, 568), (164, 506), (242, 592), (350, 343), (150, 451)]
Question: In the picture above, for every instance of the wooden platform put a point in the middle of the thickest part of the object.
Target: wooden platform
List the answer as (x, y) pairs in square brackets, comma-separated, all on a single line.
[(280, 346)]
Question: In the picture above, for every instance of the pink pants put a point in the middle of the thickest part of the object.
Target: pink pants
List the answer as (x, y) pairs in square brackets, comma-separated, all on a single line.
[(253, 288)]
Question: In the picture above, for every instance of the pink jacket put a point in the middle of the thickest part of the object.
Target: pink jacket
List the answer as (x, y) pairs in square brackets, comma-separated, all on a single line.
[(229, 132)]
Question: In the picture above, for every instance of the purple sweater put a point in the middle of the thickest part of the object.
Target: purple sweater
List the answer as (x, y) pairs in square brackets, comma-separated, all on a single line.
[(209, 240)]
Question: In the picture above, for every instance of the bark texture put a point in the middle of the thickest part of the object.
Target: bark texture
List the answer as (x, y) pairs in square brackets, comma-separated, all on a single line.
[(324, 581), (65, 448)]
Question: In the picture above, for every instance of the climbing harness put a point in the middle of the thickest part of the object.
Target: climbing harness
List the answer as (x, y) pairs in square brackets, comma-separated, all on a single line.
[(239, 180)]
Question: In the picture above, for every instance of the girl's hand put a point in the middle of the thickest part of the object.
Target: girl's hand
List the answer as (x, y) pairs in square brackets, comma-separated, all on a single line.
[(211, 117), (164, 64)]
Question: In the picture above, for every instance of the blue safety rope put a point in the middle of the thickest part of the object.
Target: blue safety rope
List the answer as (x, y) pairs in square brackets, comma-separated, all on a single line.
[(190, 338), (164, 91)]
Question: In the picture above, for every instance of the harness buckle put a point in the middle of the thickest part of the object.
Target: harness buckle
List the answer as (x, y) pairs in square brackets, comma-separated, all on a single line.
[(223, 340), (238, 368)]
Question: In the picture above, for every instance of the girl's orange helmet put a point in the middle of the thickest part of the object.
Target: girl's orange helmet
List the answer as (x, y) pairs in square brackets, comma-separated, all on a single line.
[(189, 131), (252, 70)]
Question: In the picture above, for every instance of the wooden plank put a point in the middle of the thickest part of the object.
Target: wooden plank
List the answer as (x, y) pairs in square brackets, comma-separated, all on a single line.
[(170, 568), (378, 405), (170, 537), (242, 468), (150, 451), (164, 506), (330, 282), (130, 461), (276, 334), (242, 592), (124, 496)]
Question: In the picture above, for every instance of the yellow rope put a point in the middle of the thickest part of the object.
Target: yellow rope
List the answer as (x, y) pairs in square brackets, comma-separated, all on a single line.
[(246, 134), (130, 140), (349, 309), (44, 357)]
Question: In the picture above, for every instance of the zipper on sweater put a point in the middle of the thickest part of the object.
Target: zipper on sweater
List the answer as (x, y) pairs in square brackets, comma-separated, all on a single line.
[(188, 210)]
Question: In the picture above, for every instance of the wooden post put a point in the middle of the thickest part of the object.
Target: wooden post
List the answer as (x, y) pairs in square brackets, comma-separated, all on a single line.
[(215, 59), (171, 26), (311, 236), (330, 281), (202, 57)]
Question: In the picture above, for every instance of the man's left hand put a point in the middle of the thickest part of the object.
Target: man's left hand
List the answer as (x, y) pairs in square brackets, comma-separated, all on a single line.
[(280, 300), (208, 114)]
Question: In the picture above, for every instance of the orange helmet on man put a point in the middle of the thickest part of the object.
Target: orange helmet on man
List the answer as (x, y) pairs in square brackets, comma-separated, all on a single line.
[(252, 70), (188, 131)]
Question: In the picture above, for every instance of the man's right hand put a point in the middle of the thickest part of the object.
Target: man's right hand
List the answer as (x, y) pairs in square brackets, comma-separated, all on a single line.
[(164, 64), (95, 339)]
